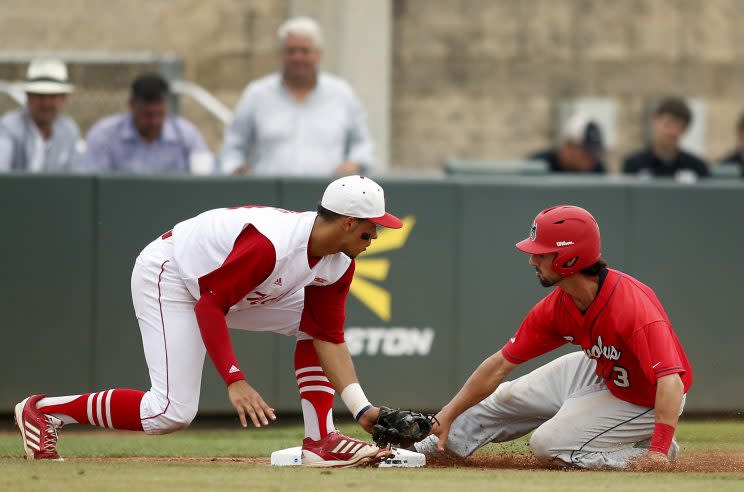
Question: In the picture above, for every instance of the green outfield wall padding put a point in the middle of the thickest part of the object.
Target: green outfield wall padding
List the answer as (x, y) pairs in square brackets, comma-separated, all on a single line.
[(428, 303), (48, 294)]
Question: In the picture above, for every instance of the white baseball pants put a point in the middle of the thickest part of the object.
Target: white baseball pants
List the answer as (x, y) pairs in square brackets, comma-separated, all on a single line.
[(575, 418), (173, 346)]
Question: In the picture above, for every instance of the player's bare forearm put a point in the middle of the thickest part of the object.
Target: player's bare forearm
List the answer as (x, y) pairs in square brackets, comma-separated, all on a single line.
[(669, 391), (337, 365), (369, 419), (484, 381), (336, 362), (669, 394)]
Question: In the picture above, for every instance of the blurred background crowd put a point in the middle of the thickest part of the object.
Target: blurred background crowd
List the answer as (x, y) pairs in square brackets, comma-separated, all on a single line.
[(648, 88)]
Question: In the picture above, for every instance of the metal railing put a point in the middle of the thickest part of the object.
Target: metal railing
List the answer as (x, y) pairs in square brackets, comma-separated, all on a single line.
[(105, 76), (13, 90), (204, 98)]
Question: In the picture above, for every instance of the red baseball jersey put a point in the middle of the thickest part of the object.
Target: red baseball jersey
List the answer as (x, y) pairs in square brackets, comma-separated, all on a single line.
[(625, 330)]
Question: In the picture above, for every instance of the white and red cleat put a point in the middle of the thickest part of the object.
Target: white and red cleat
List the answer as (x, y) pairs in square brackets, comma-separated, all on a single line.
[(336, 450), (38, 431)]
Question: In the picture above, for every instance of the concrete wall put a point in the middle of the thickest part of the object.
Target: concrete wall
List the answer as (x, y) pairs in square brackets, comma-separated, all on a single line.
[(427, 304), (472, 78), (483, 78), (224, 43)]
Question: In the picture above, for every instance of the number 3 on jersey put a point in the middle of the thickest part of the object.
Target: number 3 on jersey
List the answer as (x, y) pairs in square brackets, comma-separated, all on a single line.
[(621, 377)]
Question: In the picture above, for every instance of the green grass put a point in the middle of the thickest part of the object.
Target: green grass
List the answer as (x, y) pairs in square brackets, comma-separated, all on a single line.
[(711, 436), (80, 474)]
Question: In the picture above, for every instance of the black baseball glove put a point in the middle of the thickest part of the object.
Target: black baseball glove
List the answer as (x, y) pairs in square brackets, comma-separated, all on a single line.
[(401, 428)]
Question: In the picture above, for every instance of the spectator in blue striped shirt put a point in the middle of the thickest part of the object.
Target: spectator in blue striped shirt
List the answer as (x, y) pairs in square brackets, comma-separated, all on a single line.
[(145, 140)]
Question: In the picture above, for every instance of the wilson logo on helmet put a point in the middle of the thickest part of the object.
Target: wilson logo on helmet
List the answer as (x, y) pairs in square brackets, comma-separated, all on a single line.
[(564, 243)]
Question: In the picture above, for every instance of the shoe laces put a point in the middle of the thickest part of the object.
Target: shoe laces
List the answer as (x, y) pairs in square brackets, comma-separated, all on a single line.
[(52, 434)]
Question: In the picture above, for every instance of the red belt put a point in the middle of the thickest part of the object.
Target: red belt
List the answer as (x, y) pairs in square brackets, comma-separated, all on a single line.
[(166, 235)]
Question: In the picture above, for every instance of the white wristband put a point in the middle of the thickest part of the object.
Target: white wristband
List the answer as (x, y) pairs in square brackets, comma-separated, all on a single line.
[(355, 400)]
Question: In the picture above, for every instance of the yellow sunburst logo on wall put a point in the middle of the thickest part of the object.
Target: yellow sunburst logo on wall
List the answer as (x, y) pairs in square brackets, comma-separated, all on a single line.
[(370, 269)]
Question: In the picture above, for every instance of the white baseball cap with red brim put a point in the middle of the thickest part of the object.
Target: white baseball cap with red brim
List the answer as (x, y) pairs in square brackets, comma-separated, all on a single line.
[(360, 197)]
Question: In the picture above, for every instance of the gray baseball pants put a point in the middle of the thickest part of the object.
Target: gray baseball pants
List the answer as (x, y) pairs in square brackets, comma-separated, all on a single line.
[(575, 418)]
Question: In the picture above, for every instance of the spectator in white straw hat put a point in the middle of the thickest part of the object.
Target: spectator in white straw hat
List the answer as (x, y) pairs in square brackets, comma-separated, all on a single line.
[(37, 137)]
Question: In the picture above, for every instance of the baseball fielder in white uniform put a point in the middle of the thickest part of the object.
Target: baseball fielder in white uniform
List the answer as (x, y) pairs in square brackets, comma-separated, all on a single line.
[(251, 268)]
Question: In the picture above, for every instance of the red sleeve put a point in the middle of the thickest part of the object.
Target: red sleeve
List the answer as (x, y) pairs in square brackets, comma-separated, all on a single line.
[(536, 335), (249, 263), (656, 351), (324, 313)]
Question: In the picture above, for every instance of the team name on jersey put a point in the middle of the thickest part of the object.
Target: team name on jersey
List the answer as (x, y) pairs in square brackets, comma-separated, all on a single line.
[(599, 350), (257, 297)]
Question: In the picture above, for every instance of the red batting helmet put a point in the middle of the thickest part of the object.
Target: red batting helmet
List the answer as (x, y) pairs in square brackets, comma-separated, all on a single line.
[(569, 231)]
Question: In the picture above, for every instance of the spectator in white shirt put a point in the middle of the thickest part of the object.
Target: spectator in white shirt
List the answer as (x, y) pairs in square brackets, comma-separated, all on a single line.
[(37, 138), (300, 121)]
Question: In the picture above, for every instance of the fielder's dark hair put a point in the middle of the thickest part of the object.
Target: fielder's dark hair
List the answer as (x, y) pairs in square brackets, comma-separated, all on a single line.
[(675, 107), (593, 270), (149, 87), (327, 214)]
